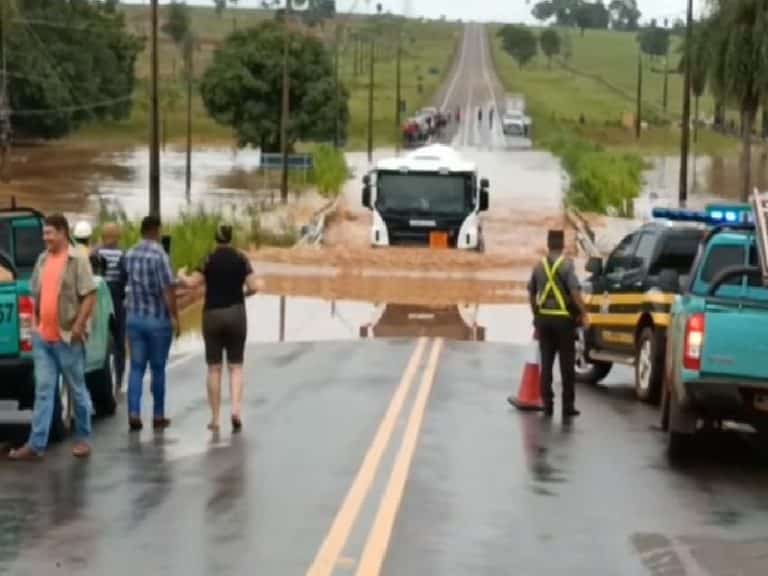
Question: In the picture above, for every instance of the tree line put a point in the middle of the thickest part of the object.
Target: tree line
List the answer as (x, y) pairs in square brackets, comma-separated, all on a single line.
[(74, 62), (619, 14)]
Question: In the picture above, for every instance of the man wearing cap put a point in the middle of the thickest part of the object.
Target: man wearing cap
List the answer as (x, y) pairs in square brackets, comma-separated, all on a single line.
[(557, 306)]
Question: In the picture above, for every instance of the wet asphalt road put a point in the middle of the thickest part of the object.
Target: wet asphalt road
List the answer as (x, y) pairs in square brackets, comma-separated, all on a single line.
[(486, 490)]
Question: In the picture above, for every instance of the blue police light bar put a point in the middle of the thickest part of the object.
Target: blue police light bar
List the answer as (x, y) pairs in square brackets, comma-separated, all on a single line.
[(715, 215)]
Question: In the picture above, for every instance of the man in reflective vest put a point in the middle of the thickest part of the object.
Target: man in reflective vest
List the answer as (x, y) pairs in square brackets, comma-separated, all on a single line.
[(558, 308)]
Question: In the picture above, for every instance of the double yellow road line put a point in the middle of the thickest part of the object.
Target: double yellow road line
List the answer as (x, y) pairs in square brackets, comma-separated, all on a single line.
[(329, 556)]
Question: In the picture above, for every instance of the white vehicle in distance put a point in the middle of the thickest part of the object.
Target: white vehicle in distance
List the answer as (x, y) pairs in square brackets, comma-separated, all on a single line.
[(429, 197)]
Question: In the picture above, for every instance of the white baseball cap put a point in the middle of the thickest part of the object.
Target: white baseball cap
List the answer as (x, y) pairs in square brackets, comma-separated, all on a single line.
[(83, 230)]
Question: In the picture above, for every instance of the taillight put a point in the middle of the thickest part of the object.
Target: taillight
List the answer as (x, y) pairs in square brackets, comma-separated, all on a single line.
[(26, 322), (694, 342)]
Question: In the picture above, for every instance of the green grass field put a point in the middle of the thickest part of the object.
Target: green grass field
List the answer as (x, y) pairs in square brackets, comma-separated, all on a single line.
[(601, 59), (428, 52)]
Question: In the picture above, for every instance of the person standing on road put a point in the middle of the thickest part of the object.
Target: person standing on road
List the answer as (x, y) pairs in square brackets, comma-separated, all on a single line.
[(152, 319), (225, 273), (479, 114), (65, 296), (112, 259), (557, 306), (490, 118)]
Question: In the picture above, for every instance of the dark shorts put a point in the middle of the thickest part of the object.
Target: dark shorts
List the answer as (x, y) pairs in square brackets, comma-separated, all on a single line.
[(225, 329)]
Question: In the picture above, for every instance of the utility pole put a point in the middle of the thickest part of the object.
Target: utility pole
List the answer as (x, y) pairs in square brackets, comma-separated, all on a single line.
[(154, 144), (190, 50), (5, 104), (336, 96), (665, 95), (286, 104), (639, 110), (370, 99), (397, 87), (686, 132)]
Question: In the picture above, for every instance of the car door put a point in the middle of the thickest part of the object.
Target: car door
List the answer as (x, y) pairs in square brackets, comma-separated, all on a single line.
[(625, 292), (619, 266)]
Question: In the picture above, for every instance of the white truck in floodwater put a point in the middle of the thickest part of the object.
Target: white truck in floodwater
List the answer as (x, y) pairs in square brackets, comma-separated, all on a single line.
[(430, 197)]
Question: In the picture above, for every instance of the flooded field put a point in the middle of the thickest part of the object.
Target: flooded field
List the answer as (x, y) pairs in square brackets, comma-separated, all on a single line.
[(711, 179), (77, 180)]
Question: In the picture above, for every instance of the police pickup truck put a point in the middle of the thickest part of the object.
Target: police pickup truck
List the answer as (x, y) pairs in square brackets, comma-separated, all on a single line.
[(629, 298), (717, 341), (21, 242)]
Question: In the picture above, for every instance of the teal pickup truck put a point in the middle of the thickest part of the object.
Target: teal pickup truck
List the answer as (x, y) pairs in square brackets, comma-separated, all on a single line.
[(21, 242), (717, 343)]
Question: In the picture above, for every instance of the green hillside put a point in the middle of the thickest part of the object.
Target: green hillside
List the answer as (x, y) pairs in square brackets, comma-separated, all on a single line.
[(428, 51)]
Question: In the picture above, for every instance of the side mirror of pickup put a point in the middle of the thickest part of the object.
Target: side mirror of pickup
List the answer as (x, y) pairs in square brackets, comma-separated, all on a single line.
[(595, 266), (669, 281)]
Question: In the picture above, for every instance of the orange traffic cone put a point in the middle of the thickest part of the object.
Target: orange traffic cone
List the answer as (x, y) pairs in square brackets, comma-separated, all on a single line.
[(529, 395)]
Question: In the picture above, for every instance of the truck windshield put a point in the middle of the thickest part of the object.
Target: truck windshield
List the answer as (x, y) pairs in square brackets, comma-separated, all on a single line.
[(424, 194)]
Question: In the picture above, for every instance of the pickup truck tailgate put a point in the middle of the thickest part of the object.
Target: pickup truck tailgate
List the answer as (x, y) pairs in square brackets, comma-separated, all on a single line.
[(736, 342), (9, 321)]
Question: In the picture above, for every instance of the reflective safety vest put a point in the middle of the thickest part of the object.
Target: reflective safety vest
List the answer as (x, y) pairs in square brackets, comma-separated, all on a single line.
[(552, 288)]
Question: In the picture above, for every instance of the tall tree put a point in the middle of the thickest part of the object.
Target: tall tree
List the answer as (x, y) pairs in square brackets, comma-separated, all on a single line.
[(520, 43), (590, 15), (242, 87), (550, 43), (654, 40), (177, 25), (625, 14), (61, 77), (740, 70)]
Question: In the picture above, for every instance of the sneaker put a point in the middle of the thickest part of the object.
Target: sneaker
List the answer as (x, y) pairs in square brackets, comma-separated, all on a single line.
[(161, 423), (135, 424), (81, 450), (237, 424), (25, 454)]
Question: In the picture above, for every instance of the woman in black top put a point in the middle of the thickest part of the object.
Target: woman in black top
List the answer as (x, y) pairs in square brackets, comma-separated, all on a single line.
[(225, 273)]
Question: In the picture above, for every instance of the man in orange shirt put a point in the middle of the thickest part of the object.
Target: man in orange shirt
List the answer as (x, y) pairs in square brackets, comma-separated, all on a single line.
[(65, 295)]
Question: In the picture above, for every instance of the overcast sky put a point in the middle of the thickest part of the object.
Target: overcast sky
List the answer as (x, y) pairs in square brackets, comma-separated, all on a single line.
[(481, 10)]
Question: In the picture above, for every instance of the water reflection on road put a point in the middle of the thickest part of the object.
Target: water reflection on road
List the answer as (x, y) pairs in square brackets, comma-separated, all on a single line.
[(274, 318)]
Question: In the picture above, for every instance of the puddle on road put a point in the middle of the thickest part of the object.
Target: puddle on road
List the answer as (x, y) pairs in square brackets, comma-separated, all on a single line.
[(280, 318)]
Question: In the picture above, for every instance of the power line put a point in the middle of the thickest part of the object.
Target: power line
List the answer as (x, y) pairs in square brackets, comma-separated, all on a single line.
[(77, 108)]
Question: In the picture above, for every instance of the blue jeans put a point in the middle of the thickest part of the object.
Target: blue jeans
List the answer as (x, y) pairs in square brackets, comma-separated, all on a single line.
[(150, 340), (52, 361)]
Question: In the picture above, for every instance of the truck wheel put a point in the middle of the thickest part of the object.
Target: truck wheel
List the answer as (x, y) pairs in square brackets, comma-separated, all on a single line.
[(649, 366), (61, 420), (101, 386), (588, 371)]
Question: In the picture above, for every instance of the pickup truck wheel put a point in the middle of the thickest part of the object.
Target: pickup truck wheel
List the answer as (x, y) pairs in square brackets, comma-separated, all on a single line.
[(588, 371), (649, 366), (61, 420), (102, 388), (681, 428)]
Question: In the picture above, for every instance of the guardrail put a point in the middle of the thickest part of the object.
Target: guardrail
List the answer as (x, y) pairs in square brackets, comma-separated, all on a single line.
[(312, 234)]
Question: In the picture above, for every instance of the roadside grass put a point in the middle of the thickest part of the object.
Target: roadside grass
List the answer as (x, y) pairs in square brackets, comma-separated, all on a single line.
[(428, 50), (600, 86), (192, 232)]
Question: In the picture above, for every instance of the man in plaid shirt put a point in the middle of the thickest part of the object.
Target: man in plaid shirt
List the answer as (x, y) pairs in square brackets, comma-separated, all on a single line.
[(152, 320)]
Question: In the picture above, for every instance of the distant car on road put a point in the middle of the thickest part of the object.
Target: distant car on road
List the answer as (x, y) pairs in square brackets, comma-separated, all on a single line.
[(429, 197), (21, 242)]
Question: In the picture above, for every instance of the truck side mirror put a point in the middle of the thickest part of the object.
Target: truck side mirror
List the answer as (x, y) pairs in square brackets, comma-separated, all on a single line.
[(367, 191), (669, 280), (595, 266), (484, 201)]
